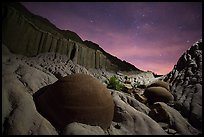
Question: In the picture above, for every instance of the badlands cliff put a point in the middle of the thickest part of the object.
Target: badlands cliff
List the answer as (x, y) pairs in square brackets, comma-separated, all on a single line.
[(38, 61), (28, 34)]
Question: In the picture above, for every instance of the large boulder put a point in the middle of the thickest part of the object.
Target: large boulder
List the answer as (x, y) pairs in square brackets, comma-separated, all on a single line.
[(160, 83), (76, 98), (158, 94)]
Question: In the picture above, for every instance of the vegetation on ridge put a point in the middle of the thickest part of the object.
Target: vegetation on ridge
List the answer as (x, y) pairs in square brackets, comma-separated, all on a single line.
[(114, 83)]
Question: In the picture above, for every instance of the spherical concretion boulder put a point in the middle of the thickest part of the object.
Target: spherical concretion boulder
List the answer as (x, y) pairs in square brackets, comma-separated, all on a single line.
[(158, 94), (160, 83), (76, 98)]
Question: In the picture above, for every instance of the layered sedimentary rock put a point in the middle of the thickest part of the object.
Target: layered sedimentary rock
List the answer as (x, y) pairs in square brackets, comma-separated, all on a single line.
[(186, 84), (27, 34)]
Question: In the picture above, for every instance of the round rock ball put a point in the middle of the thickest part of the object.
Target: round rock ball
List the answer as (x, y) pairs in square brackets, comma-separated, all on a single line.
[(160, 83), (76, 98), (158, 94)]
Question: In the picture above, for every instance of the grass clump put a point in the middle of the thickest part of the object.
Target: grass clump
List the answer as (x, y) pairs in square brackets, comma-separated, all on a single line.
[(114, 83)]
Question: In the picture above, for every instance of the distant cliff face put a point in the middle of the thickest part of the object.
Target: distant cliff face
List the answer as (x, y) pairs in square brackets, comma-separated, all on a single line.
[(28, 34), (186, 84)]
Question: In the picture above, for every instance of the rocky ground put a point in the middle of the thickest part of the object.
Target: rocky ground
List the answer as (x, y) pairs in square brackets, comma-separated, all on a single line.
[(22, 77)]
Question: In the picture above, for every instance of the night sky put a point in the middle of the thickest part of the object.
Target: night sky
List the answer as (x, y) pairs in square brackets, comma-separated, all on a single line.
[(150, 35)]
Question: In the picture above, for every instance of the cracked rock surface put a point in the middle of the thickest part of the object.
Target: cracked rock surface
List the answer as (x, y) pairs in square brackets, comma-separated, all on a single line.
[(186, 84)]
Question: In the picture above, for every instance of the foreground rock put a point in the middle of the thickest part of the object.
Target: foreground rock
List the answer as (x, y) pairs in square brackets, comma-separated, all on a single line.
[(186, 84), (19, 114), (76, 98), (132, 119), (22, 77), (163, 113), (82, 129)]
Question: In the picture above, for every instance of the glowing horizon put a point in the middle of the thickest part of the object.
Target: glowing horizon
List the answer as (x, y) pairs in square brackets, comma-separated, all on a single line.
[(150, 35)]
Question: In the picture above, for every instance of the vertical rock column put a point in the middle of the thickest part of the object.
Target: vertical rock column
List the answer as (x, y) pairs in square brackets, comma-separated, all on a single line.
[(46, 42), (70, 46), (53, 44), (36, 42), (97, 59), (84, 56), (41, 43), (79, 54), (59, 45), (64, 46), (31, 48), (93, 59), (102, 61), (87, 58), (74, 53)]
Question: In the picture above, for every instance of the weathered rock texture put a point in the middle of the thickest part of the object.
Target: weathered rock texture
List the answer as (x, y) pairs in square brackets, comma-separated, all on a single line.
[(163, 113), (27, 34), (76, 98), (82, 129), (19, 82), (186, 84), (130, 117), (23, 76)]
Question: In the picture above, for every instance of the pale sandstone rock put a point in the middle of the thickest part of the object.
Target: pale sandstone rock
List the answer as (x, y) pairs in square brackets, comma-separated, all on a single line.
[(163, 113)]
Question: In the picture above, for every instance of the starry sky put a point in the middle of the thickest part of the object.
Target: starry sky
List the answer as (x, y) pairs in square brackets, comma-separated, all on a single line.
[(150, 35)]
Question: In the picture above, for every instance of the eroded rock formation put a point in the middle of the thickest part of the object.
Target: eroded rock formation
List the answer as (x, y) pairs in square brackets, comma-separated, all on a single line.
[(23, 76), (186, 84), (27, 34)]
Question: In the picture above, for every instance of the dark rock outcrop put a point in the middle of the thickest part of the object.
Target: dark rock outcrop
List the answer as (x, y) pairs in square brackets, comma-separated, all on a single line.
[(186, 84), (76, 98), (28, 34)]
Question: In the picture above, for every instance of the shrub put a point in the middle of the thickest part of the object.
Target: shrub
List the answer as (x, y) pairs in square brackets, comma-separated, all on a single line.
[(114, 83)]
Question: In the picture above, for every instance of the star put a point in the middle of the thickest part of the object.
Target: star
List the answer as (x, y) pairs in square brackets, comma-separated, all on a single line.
[(91, 21), (187, 41)]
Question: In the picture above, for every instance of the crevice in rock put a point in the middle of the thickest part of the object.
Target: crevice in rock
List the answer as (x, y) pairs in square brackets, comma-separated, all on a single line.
[(73, 53)]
